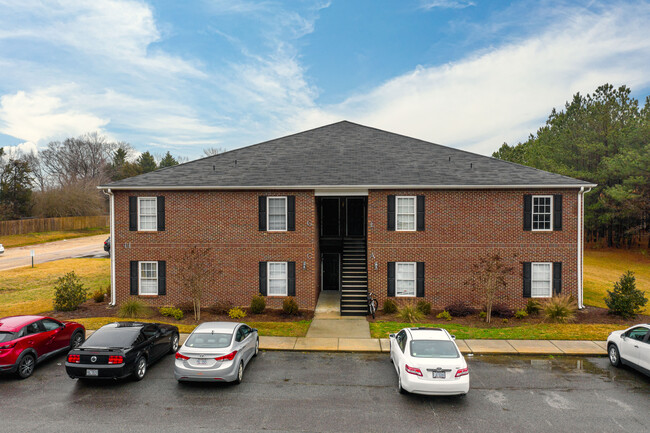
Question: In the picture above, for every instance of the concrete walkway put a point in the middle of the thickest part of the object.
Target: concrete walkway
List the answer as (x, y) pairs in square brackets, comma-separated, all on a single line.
[(329, 325)]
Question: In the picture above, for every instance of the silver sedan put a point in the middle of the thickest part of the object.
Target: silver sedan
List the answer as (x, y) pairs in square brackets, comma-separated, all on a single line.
[(216, 351)]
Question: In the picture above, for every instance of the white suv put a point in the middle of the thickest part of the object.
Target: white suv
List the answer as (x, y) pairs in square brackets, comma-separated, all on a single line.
[(630, 347)]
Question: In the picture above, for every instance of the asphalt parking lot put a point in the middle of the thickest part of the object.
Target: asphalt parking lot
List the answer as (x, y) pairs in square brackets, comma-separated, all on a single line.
[(294, 391)]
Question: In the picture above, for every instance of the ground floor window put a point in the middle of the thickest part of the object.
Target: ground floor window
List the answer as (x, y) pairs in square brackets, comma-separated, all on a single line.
[(541, 281), (405, 279), (277, 278), (148, 278)]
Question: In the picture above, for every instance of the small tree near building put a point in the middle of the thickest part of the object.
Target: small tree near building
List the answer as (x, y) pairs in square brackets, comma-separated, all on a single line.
[(489, 280), (625, 300), (194, 272)]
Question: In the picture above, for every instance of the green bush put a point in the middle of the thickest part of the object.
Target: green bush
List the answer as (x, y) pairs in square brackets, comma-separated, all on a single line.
[(258, 304), (410, 314), (482, 314), (99, 296), (133, 309), (69, 293), (390, 306), (520, 314), (504, 320), (444, 315), (533, 306), (236, 313), (560, 308), (424, 307), (176, 313), (290, 306), (625, 300)]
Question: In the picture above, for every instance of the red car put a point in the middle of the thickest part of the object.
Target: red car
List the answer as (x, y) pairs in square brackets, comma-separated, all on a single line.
[(28, 340)]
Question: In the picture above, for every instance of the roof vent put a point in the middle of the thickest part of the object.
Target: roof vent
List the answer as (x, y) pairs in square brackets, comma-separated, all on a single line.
[(471, 164), (214, 167)]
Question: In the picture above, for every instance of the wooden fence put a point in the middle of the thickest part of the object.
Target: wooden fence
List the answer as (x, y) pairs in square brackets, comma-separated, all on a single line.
[(20, 227)]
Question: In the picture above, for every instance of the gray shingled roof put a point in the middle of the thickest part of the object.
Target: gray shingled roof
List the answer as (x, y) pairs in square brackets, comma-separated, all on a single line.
[(345, 154)]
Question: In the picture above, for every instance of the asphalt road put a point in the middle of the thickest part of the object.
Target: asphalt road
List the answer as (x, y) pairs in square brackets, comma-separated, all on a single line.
[(292, 391), (91, 246)]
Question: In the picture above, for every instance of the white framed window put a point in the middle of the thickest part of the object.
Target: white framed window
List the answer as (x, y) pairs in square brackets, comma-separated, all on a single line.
[(277, 279), (147, 213), (542, 213), (276, 214), (541, 280), (405, 214), (148, 278), (405, 278)]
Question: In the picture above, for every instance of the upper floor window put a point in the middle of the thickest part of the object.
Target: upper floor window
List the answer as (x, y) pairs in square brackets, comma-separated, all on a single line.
[(405, 215), (147, 213), (148, 278), (541, 281), (542, 213), (277, 213), (404, 279)]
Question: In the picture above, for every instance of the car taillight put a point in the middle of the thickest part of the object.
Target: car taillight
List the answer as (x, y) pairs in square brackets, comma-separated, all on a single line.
[(228, 357), (74, 359), (115, 359), (462, 372), (413, 370), (7, 346), (179, 356)]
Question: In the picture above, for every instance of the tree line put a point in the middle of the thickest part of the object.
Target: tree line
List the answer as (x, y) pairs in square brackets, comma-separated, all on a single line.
[(603, 138)]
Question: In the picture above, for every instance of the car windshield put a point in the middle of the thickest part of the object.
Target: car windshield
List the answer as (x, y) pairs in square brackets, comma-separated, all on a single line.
[(113, 337), (433, 349), (6, 336), (208, 341)]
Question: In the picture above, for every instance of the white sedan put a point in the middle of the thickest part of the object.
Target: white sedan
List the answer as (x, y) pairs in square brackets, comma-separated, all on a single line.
[(2, 249), (630, 347), (428, 361)]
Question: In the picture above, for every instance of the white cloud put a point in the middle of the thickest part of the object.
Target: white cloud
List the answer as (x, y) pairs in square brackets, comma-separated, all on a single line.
[(20, 149), (446, 4)]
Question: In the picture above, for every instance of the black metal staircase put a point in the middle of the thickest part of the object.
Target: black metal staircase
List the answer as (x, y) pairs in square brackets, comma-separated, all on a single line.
[(354, 278)]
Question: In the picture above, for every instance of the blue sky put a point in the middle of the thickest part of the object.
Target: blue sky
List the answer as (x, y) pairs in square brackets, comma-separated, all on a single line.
[(182, 76)]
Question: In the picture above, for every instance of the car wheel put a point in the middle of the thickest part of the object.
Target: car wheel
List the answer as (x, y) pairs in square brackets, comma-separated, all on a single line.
[(174, 345), (140, 368), (240, 372), (76, 340), (399, 385), (257, 347), (26, 366), (614, 355)]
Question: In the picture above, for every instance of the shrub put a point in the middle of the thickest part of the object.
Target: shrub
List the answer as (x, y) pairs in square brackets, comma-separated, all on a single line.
[(176, 313), (390, 306), (69, 293), (561, 308), (504, 320), (520, 314), (410, 314), (258, 304), (236, 313), (290, 306), (625, 300), (533, 306), (482, 314), (424, 307), (219, 307), (444, 315), (503, 311), (99, 296), (460, 309), (133, 309)]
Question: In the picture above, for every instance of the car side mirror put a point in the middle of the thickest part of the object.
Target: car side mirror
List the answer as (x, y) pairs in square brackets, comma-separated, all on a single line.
[(62, 325), (453, 337), (391, 335), (623, 337), (254, 330)]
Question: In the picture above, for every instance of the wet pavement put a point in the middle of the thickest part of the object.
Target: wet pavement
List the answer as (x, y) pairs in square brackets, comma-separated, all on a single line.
[(295, 391)]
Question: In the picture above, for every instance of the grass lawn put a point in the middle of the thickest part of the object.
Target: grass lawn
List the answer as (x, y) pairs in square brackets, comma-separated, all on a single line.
[(543, 331), (604, 267), (31, 290), (12, 241), (275, 329)]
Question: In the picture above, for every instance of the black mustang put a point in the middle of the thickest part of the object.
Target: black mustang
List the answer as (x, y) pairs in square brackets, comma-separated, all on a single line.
[(121, 349)]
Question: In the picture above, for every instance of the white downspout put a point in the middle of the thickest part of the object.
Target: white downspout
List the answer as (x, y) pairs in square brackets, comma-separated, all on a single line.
[(112, 250), (580, 229)]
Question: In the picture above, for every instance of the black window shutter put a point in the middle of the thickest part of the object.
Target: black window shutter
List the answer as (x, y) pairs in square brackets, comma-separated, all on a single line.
[(162, 278), (420, 280), (161, 213), (262, 216), (557, 212), (263, 278), (391, 213), (133, 213), (528, 212), (291, 278), (134, 277), (420, 213), (391, 279), (557, 278), (291, 213), (527, 279)]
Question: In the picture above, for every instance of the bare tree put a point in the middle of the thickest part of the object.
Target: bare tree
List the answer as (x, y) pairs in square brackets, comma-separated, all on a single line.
[(194, 271), (489, 279), (211, 151)]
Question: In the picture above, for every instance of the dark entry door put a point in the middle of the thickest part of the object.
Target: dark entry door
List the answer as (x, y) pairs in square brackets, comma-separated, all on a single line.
[(330, 271), (356, 216)]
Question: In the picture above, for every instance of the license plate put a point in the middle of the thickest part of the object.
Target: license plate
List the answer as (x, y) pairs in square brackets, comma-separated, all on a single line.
[(438, 374), (92, 372), (201, 361)]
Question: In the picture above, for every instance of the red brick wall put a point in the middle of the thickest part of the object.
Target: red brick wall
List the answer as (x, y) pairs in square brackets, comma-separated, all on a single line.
[(227, 223), (462, 226)]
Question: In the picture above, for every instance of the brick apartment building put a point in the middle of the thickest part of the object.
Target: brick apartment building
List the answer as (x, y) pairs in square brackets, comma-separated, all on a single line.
[(346, 208)]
